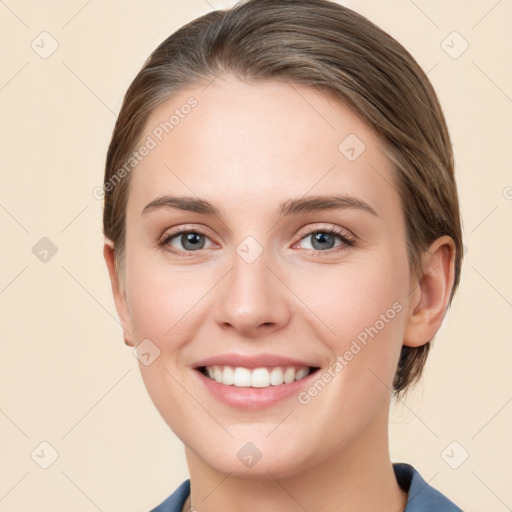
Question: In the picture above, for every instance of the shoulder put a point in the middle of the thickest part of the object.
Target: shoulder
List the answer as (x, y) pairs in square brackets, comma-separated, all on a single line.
[(421, 496), (175, 502)]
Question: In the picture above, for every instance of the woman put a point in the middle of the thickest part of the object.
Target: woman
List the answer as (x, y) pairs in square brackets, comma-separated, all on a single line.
[(283, 240)]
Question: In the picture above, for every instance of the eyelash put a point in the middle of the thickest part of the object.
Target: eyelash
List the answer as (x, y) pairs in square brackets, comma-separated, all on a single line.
[(342, 235)]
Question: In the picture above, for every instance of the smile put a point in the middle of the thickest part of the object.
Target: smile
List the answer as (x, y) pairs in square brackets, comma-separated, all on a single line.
[(255, 377)]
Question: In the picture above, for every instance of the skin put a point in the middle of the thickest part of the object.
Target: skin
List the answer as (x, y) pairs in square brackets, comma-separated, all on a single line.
[(246, 148)]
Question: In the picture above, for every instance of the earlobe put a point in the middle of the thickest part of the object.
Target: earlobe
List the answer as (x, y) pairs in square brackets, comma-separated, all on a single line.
[(128, 340), (427, 312), (118, 293)]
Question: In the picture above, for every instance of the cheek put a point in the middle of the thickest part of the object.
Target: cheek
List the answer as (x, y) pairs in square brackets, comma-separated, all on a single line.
[(162, 311), (353, 296), (366, 312), (161, 299), (361, 314)]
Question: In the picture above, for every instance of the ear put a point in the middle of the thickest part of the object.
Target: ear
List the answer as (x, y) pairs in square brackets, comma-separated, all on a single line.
[(118, 292), (431, 296)]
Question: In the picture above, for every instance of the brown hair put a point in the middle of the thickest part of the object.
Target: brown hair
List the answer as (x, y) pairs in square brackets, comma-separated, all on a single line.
[(321, 44)]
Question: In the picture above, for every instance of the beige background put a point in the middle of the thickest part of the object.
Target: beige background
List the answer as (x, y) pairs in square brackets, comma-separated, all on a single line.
[(66, 377)]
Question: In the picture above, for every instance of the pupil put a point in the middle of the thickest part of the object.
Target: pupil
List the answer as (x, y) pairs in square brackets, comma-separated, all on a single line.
[(192, 238), (322, 238)]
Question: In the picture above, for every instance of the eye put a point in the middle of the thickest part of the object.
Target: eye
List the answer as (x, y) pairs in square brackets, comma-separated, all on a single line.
[(186, 242), (189, 240), (322, 240)]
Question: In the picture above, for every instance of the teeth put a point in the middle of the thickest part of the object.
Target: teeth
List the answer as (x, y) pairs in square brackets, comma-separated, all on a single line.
[(260, 378), (227, 376), (276, 376), (257, 377), (241, 377), (289, 375), (301, 373)]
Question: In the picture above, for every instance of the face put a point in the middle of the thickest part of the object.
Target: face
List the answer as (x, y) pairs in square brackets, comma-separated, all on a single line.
[(266, 275)]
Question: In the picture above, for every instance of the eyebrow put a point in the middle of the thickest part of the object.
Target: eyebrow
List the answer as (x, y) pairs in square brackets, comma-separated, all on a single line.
[(289, 207)]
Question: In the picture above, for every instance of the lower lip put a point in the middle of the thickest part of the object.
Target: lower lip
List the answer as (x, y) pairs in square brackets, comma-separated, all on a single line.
[(253, 398)]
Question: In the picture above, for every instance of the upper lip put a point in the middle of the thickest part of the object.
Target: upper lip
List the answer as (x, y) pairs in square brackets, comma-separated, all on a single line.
[(255, 361)]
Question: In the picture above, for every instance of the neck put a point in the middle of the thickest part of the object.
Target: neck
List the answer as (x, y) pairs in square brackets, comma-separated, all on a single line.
[(356, 477)]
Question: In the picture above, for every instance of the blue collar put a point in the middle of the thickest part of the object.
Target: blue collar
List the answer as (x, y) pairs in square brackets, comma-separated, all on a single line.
[(421, 496)]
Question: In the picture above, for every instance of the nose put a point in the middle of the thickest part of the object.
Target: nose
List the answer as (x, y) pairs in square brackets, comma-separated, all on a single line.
[(253, 299)]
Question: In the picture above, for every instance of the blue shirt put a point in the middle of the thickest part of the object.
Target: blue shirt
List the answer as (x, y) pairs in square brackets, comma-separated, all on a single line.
[(421, 497)]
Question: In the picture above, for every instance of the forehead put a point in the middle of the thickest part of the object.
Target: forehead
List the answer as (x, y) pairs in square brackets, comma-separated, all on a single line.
[(231, 139)]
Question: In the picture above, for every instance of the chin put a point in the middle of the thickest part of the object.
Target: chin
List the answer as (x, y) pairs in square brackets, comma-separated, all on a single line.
[(259, 459)]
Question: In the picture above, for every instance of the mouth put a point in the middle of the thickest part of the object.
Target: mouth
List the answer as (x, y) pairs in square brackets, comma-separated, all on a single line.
[(262, 377)]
